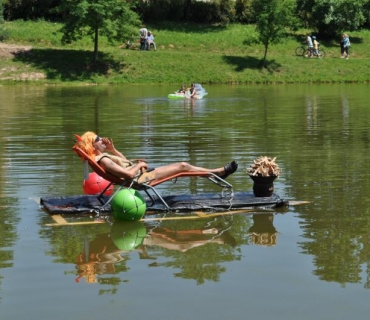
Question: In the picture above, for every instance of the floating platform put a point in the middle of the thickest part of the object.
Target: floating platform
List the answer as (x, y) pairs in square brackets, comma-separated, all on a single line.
[(207, 202)]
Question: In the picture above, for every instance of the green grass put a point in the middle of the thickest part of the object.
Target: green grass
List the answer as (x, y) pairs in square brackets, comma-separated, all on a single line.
[(185, 53)]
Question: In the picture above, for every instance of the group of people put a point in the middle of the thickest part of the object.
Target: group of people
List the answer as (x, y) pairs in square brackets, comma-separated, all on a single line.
[(313, 46), (146, 39), (192, 91)]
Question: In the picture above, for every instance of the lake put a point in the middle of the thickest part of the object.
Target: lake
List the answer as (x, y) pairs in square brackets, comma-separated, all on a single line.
[(308, 261)]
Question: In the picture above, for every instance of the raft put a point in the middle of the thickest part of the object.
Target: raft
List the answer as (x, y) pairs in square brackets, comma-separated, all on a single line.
[(207, 202), (176, 96), (200, 93)]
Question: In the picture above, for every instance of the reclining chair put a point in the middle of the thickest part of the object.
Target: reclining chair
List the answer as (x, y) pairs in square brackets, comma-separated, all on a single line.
[(154, 196)]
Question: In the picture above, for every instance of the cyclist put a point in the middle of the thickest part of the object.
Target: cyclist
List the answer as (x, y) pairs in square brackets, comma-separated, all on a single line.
[(310, 45)]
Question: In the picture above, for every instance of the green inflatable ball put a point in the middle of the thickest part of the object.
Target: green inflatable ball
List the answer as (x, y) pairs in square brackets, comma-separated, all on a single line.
[(128, 205), (127, 235)]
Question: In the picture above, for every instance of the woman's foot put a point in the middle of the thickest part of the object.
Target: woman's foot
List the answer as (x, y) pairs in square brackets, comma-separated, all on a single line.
[(230, 168)]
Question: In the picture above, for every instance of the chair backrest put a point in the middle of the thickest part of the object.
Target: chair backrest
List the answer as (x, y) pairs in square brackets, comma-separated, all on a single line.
[(96, 167)]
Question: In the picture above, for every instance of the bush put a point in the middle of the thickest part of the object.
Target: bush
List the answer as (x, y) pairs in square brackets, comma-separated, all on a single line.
[(244, 11), (30, 9), (203, 12), (4, 34), (1, 12)]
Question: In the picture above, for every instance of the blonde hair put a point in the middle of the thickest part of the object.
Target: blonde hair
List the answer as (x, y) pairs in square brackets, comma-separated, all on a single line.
[(86, 143)]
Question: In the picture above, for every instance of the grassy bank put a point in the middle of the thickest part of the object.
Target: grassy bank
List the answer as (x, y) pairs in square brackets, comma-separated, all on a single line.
[(185, 53)]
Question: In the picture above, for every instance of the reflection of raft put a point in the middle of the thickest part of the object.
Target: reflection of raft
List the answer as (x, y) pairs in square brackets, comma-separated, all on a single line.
[(178, 203), (217, 202)]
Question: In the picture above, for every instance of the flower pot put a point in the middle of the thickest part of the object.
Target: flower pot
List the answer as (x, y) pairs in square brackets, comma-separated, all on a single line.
[(263, 186)]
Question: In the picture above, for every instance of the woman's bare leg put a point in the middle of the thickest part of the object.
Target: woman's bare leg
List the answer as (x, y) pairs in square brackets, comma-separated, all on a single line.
[(172, 169)]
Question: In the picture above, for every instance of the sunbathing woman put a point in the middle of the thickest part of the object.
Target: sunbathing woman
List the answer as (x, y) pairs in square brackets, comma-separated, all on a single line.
[(117, 164)]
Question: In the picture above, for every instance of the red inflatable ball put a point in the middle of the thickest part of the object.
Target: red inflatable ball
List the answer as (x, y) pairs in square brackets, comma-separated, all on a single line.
[(95, 184)]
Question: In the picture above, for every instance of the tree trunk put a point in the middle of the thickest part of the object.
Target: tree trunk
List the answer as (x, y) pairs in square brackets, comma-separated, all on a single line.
[(187, 10), (96, 41), (264, 56)]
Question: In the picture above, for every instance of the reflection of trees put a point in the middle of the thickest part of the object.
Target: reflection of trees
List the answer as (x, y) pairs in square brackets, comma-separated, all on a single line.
[(200, 263), (9, 219), (205, 261), (8, 222), (340, 247), (76, 244), (336, 227), (196, 248)]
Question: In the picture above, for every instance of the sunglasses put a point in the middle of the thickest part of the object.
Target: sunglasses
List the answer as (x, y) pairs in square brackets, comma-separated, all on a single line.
[(97, 139)]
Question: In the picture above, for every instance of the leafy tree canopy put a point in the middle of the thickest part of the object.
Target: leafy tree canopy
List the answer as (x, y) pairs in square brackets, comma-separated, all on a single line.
[(331, 17), (1, 12), (273, 17), (29, 9), (110, 18)]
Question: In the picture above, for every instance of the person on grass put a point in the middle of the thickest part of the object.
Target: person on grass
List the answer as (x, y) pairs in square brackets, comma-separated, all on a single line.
[(346, 45), (114, 162), (310, 45), (143, 37), (150, 41)]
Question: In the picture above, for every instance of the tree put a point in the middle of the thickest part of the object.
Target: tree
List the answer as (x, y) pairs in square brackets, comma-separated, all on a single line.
[(273, 19), (243, 11), (110, 18), (367, 13), (1, 12), (29, 9), (332, 17)]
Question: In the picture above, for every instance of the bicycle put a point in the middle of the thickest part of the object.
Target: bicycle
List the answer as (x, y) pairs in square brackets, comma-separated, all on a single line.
[(304, 51), (311, 52), (299, 51)]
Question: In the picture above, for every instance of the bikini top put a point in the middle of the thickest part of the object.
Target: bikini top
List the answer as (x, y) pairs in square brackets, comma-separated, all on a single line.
[(118, 160)]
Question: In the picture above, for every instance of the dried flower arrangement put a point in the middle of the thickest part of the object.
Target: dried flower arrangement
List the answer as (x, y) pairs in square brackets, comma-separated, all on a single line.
[(264, 167)]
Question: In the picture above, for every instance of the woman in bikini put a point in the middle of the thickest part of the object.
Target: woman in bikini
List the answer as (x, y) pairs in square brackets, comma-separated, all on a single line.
[(114, 162)]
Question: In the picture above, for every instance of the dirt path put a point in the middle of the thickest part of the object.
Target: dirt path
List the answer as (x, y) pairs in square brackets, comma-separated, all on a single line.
[(9, 50)]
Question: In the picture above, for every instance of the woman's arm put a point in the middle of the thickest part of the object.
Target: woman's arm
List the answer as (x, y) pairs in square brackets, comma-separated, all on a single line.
[(110, 148), (124, 173)]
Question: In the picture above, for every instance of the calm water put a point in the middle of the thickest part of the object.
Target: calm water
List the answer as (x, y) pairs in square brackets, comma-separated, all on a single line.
[(307, 262)]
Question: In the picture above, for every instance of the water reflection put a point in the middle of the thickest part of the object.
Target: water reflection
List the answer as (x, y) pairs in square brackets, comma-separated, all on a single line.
[(320, 136), (172, 238), (340, 247), (263, 231), (8, 227), (100, 255), (197, 248)]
